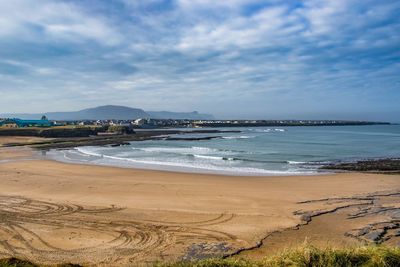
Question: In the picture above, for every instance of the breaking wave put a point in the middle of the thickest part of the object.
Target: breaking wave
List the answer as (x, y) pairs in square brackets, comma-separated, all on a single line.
[(238, 137)]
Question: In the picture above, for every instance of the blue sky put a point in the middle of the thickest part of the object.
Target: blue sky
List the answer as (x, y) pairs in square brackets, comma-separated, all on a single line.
[(336, 59)]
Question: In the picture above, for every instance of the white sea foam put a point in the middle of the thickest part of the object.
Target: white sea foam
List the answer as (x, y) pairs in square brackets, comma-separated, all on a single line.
[(179, 150), (212, 157), (269, 130), (196, 166), (296, 162), (190, 165), (88, 151), (238, 137), (194, 150)]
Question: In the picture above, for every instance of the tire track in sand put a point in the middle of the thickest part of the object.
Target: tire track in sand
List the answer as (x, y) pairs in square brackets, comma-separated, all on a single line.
[(28, 228)]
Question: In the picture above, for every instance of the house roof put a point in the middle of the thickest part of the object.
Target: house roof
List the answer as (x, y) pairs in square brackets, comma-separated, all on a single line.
[(26, 122)]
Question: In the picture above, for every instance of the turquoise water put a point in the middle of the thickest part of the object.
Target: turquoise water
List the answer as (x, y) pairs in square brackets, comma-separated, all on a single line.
[(254, 151)]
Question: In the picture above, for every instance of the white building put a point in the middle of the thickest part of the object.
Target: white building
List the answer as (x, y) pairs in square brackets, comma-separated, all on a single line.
[(140, 122)]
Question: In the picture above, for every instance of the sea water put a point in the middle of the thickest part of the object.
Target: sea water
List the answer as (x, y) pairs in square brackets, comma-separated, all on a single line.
[(253, 151)]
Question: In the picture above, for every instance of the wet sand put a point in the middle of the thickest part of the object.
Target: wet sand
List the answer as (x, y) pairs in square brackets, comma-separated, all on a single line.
[(54, 212)]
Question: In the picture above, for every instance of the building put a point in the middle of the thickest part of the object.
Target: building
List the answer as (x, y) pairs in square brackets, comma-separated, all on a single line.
[(8, 124), (140, 122)]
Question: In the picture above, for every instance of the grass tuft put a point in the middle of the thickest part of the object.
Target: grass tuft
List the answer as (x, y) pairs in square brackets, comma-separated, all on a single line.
[(303, 256), (13, 262), (310, 256)]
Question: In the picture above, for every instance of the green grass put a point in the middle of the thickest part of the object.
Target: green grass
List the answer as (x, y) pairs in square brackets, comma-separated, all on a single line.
[(309, 256), (304, 256), (379, 256)]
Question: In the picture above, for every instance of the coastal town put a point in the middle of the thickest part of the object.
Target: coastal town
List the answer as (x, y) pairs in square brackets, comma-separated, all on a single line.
[(149, 123)]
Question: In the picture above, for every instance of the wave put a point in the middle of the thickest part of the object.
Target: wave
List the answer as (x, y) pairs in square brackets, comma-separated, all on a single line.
[(188, 150), (87, 151), (296, 162), (213, 157), (238, 137), (184, 166), (265, 161), (269, 130), (195, 152), (178, 150)]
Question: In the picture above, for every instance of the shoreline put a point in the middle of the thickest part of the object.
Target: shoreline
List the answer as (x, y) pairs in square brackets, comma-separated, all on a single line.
[(380, 165), (214, 162), (179, 215), (159, 166)]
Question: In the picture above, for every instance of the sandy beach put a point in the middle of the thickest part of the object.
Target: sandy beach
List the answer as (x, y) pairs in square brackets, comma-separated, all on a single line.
[(55, 212), (199, 133)]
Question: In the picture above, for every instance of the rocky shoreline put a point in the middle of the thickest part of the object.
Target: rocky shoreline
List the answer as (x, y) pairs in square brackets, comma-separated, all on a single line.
[(387, 166), (117, 140)]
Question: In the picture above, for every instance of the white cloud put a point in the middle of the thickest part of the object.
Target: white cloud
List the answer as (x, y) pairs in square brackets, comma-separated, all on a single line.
[(35, 20), (260, 30)]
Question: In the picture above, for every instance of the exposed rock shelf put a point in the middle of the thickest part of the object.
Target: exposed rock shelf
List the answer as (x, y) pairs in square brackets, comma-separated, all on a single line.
[(390, 165)]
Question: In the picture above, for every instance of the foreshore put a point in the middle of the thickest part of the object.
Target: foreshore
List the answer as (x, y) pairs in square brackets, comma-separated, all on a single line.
[(56, 212)]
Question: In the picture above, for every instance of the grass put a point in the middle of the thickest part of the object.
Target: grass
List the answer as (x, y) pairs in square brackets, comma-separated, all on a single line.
[(309, 256), (304, 256), (13, 262), (379, 256)]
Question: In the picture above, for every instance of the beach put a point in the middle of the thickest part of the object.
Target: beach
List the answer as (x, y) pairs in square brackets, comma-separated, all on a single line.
[(55, 212), (199, 133)]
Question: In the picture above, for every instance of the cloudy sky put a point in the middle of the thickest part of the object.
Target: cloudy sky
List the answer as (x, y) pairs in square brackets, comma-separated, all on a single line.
[(336, 59)]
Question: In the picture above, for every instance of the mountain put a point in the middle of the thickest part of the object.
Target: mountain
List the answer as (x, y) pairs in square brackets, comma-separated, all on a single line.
[(100, 113), (179, 115), (110, 112)]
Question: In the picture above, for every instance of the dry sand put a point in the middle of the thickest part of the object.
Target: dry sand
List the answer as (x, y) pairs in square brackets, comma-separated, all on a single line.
[(52, 212)]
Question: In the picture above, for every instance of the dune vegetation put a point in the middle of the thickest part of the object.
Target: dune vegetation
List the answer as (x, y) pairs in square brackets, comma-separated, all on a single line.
[(303, 256), (309, 256)]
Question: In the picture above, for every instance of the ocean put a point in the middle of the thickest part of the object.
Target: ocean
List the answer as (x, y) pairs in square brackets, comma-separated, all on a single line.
[(253, 151)]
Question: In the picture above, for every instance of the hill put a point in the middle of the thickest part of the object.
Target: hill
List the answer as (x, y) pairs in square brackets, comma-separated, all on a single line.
[(110, 112), (100, 113)]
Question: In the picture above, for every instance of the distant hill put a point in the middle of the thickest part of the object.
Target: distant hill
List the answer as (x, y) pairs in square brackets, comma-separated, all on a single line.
[(98, 113), (110, 112)]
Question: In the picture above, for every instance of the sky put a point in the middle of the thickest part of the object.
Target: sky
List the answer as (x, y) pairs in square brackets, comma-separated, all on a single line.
[(272, 59)]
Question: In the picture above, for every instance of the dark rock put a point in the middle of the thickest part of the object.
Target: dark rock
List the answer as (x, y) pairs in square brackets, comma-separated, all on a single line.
[(376, 235), (120, 144), (364, 231), (206, 250), (379, 165)]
